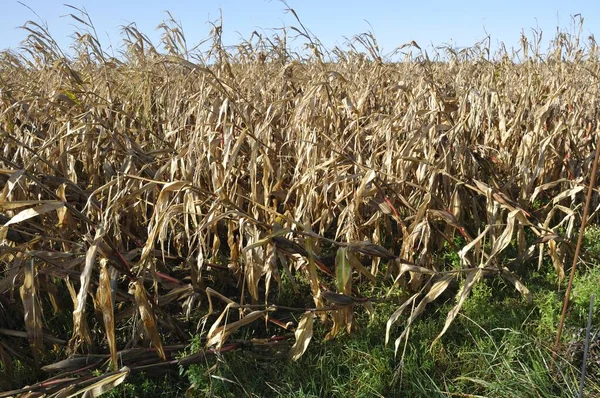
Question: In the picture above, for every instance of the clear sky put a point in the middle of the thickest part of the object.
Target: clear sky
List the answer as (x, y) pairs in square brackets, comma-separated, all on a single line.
[(394, 22)]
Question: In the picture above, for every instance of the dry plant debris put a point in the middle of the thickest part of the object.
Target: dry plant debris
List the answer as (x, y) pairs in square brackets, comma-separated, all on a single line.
[(170, 181)]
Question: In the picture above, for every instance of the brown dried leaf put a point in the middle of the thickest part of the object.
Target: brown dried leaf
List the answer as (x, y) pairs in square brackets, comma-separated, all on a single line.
[(148, 317), (516, 282), (106, 383), (394, 317), (11, 184), (218, 335), (17, 204), (462, 253), (160, 212), (357, 265), (73, 363), (340, 318), (312, 271), (30, 213), (569, 192), (472, 278), (434, 292), (253, 273), (106, 305), (406, 266), (32, 310), (543, 187), (361, 192), (556, 260), (303, 334), (337, 298), (65, 221), (504, 239), (343, 270), (79, 312), (371, 249)]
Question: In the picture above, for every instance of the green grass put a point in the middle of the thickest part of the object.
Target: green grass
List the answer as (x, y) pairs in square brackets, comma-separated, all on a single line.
[(495, 348), (142, 385), (358, 365)]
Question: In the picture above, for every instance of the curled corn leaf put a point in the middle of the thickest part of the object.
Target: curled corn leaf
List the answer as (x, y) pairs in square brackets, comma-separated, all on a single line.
[(218, 335), (105, 302), (148, 317), (303, 334), (343, 270)]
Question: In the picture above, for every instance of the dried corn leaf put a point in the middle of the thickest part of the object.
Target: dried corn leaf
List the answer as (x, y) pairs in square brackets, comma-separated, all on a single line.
[(11, 184), (340, 319), (472, 278), (105, 303), (434, 292), (105, 384), (337, 299), (17, 204), (396, 315), (218, 335), (74, 363), (357, 265), (253, 272), (303, 334), (148, 318), (30, 213), (312, 270), (32, 310), (462, 253), (506, 236), (405, 266), (49, 286), (35, 211), (361, 192), (567, 193), (84, 328), (65, 221), (343, 270), (516, 282), (160, 212), (79, 333), (555, 255), (370, 249), (549, 185)]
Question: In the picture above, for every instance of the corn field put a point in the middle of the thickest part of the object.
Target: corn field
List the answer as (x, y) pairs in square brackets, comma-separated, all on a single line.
[(166, 191)]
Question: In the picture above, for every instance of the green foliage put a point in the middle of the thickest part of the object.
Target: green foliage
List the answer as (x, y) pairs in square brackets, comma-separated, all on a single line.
[(591, 242), (496, 348), (549, 308), (142, 386), (584, 285), (449, 254), (22, 374)]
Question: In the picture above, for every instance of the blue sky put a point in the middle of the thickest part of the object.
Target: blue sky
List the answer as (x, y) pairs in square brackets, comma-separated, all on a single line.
[(461, 23)]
